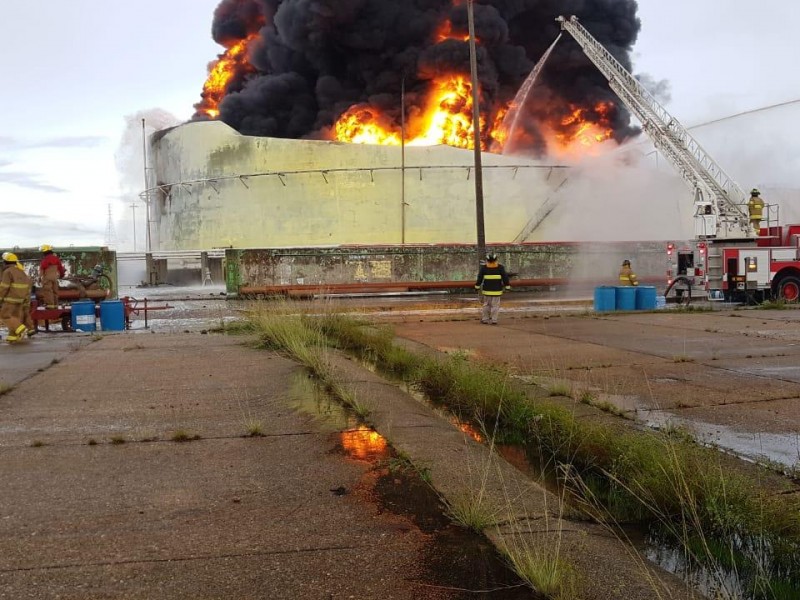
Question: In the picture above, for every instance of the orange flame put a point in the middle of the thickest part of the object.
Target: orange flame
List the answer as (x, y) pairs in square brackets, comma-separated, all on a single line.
[(363, 443), (233, 61), (445, 32), (446, 120), (577, 129)]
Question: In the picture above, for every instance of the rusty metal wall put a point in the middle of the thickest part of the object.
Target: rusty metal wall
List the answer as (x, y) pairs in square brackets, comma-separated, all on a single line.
[(340, 265), (77, 261)]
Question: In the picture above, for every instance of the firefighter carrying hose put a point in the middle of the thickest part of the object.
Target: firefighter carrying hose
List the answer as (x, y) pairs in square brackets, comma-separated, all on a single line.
[(626, 274), (51, 270), (15, 292), (755, 206), (492, 280)]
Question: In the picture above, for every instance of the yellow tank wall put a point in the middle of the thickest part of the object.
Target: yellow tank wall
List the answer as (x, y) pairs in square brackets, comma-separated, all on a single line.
[(314, 208)]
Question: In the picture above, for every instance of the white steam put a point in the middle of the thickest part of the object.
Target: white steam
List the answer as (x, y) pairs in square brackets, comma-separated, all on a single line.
[(130, 167)]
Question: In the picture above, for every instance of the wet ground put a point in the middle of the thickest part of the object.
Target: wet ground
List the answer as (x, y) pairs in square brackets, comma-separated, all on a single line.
[(100, 500), (730, 376)]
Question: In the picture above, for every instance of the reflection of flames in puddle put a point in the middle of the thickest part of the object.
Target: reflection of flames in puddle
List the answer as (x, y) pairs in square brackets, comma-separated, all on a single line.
[(364, 443), (469, 430)]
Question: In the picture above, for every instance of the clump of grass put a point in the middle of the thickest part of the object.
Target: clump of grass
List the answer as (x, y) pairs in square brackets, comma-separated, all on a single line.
[(37, 444), (471, 510), (609, 407), (559, 388), (118, 439), (544, 570), (682, 358), (5, 388), (255, 429), (240, 327), (779, 304), (181, 435)]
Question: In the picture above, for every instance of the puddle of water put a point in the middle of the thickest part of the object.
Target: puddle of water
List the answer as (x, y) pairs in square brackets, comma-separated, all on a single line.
[(454, 557), (355, 439), (363, 443), (783, 449)]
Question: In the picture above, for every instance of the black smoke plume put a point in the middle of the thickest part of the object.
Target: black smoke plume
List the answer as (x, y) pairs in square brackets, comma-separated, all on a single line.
[(314, 59)]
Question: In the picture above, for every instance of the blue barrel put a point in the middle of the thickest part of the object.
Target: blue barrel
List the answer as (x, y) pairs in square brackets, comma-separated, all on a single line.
[(605, 298), (646, 297), (626, 297), (112, 315), (83, 316)]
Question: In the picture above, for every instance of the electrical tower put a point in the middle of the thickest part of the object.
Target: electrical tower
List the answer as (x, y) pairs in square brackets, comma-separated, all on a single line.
[(111, 232)]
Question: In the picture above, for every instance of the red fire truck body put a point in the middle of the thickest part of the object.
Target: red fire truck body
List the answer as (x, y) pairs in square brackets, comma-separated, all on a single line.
[(767, 268)]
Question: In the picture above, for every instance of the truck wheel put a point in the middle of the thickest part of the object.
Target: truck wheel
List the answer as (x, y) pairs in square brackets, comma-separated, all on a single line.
[(789, 288)]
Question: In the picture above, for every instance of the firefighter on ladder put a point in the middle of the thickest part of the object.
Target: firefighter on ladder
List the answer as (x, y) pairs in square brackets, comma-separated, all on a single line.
[(755, 206), (51, 270), (15, 293), (626, 275)]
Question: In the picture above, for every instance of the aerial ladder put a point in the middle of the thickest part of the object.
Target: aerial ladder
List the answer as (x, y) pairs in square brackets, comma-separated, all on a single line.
[(720, 214)]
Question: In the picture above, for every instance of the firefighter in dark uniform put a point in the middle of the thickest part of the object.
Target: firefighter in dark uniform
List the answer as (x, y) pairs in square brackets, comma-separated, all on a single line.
[(492, 280)]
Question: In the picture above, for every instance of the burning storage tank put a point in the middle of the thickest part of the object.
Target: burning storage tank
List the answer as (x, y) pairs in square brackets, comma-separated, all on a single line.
[(220, 188), (331, 122)]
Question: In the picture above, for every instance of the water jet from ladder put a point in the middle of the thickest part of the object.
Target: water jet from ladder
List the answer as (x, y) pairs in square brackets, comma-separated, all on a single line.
[(512, 116)]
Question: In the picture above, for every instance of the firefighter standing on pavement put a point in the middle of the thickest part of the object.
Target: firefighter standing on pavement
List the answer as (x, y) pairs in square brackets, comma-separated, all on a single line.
[(755, 206), (15, 290), (27, 320), (51, 270), (492, 280), (626, 274)]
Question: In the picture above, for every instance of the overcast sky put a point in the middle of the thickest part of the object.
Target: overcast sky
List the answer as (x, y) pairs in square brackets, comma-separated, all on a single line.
[(75, 70)]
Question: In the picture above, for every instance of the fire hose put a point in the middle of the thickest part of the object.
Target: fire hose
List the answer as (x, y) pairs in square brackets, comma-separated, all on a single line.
[(685, 299)]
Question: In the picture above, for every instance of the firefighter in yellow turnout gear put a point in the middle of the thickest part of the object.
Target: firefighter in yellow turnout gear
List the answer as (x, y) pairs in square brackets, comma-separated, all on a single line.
[(755, 207), (626, 274), (492, 280), (15, 293)]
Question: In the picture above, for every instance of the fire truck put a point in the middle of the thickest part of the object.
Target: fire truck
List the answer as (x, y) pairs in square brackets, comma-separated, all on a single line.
[(730, 259)]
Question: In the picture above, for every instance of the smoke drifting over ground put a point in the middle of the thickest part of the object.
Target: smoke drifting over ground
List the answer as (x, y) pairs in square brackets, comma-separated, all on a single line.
[(306, 62)]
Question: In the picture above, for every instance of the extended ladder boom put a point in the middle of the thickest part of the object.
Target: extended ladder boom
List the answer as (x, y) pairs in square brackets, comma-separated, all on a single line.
[(718, 198)]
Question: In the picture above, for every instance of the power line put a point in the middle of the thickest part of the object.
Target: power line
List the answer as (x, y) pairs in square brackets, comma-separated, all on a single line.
[(746, 112)]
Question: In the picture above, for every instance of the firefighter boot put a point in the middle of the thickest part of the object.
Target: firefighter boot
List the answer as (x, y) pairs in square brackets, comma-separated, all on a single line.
[(17, 335)]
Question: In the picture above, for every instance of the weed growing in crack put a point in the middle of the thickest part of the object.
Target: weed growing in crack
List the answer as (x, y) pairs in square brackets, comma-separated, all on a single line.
[(181, 435)]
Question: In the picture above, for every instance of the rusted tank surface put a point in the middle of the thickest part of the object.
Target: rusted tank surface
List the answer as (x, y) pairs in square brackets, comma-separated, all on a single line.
[(255, 271)]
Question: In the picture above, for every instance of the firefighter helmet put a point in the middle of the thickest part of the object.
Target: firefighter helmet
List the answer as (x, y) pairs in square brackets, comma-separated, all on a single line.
[(626, 263), (754, 192), (9, 257), (491, 257), (45, 248)]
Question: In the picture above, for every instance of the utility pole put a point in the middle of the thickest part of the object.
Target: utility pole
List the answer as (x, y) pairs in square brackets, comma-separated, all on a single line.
[(476, 134), (133, 210), (403, 160), (146, 187)]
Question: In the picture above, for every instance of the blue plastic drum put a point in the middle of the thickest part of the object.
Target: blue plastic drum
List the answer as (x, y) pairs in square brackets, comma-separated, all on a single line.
[(112, 315), (646, 297), (626, 298), (605, 298), (83, 316)]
